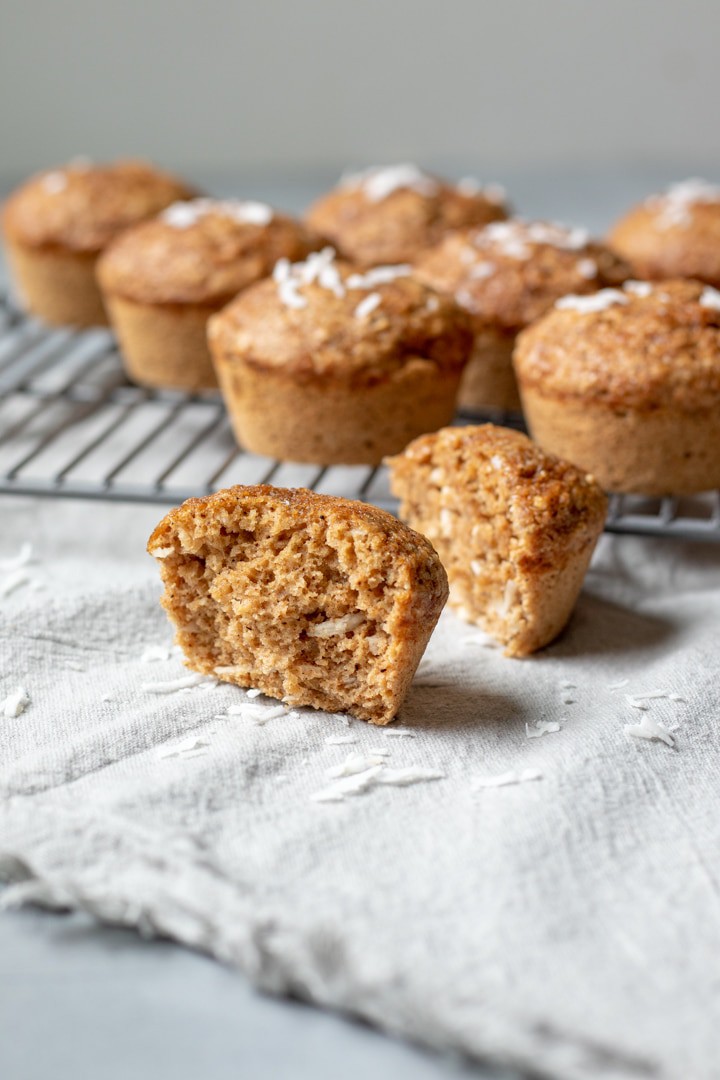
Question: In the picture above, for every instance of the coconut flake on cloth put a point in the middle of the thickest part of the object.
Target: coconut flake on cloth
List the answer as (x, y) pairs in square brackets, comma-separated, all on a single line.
[(519, 923)]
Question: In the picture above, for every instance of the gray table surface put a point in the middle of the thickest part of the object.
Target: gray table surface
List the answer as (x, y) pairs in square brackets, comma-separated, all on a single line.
[(78, 1000)]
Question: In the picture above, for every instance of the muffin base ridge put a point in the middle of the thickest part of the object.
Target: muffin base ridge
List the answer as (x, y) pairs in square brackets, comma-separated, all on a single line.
[(57, 286), (335, 424), (489, 379), (660, 452), (164, 346)]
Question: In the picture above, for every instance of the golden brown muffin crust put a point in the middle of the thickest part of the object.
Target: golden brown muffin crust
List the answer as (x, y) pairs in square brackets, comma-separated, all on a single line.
[(201, 252), (315, 600), (83, 207), (509, 273), (390, 215), (322, 319), (550, 497), (300, 504), (649, 347), (673, 235)]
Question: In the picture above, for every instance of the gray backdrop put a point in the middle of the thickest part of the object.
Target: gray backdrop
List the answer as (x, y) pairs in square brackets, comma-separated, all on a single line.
[(304, 87)]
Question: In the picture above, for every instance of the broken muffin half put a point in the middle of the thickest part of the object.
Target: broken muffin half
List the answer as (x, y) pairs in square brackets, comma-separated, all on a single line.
[(515, 527), (312, 599)]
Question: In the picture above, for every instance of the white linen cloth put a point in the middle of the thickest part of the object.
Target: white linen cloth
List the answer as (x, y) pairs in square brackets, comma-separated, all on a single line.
[(569, 925)]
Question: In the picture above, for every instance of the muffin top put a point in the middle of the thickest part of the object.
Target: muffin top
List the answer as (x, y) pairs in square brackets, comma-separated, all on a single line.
[(386, 215), (204, 251), (644, 346), (509, 273), (676, 234), (324, 319), (186, 528), (546, 498), (83, 206)]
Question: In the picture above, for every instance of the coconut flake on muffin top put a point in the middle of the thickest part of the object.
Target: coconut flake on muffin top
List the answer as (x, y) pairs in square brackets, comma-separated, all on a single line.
[(675, 205), (182, 215)]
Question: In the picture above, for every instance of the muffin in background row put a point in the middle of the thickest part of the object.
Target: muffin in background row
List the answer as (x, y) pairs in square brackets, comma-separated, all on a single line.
[(626, 384), (390, 214), (57, 224), (327, 364), (673, 235), (506, 275), (163, 279)]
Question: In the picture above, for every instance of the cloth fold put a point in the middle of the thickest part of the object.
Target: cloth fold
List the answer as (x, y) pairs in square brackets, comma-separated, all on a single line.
[(569, 926)]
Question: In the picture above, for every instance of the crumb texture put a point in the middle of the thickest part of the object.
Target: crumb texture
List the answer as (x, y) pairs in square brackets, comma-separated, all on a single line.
[(514, 527), (314, 600)]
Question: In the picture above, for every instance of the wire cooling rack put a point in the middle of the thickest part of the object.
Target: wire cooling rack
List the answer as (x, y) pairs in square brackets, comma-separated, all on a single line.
[(71, 425)]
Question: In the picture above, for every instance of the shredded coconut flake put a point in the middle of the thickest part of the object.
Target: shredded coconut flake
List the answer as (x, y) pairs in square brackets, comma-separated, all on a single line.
[(185, 748), (379, 275), (23, 558), (638, 288), (618, 685), (153, 653), (336, 627), (378, 182), (319, 267), (598, 301), (482, 270), (171, 686), (675, 206), (340, 740), (374, 776), (15, 703), (710, 298), (14, 581), (505, 779), (162, 552), (354, 763), (587, 268), (649, 729), (368, 305), (182, 215), (399, 733), (54, 182), (540, 728), (253, 693)]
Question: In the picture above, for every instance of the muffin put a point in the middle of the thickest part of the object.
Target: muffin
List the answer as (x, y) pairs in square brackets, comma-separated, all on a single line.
[(514, 527), (56, 225), (163, 279), (626, 384), (506, 275), (387, 215), (673, 235), (324, 364), (312, 599)]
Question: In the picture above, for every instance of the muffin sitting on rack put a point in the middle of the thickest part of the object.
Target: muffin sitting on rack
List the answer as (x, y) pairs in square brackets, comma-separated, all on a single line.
[(326, 364), (626, 384), (389, 215), (673, 235), (163, 279), (57, 224), (506, 275)]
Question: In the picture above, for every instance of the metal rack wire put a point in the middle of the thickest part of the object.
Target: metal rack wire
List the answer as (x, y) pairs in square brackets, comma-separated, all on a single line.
[(71, 425)]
